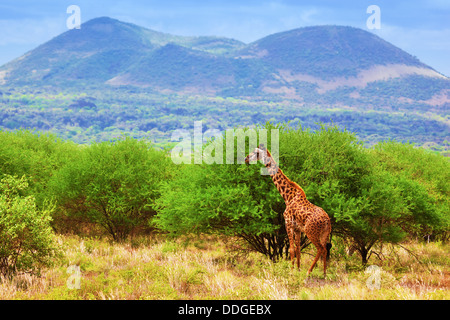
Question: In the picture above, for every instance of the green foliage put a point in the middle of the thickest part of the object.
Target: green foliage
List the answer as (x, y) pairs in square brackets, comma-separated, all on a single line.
[(35, 155), (113, 184), (376, 195), (368, 203), (99, 114), (424, 178), (139, 81), (336, 174), (27, 242), (224, 198)]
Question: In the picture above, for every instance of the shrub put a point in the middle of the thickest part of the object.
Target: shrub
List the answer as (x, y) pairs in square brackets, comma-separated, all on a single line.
[(230, 199), (423, 176), (35, 155), (27, 242), (113, 184), (368, 203)]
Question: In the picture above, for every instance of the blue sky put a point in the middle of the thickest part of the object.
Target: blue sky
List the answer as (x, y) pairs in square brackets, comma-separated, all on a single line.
[(422, 28)]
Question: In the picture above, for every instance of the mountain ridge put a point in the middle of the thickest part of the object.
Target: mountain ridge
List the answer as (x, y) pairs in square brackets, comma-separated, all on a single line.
[(342, 44), (119, 51), (111, 77)]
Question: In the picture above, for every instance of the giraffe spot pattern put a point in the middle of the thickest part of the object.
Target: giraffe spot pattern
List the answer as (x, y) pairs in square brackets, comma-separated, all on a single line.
[(300, 214)]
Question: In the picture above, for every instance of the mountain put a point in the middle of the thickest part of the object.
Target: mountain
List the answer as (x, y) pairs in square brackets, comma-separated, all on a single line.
[(112, 70), (327, 58), (102, 49), (327, 52), (108, 51)]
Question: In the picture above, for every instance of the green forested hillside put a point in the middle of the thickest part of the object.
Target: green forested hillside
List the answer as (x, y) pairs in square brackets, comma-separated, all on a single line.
[(111, 77), (98, 116)]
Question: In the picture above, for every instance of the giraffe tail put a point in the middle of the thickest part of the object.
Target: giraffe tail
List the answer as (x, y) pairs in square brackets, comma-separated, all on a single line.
[(329, 245)]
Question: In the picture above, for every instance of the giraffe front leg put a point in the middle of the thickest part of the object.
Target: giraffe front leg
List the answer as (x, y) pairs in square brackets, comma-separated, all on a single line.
[(290, 233), (298, 247), (292, 249)]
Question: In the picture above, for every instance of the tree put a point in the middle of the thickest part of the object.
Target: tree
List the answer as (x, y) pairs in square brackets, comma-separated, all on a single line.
[(27, 242), (36, 155), (113, 184), (368, 203), (230, 199), (333, 168), (423, 177)]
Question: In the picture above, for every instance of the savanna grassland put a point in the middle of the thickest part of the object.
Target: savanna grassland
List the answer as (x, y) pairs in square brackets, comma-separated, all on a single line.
[(210, 267), (136, 225), (99, 198)]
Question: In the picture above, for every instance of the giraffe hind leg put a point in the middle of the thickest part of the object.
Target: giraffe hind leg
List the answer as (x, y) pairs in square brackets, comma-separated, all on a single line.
[(320, 251)]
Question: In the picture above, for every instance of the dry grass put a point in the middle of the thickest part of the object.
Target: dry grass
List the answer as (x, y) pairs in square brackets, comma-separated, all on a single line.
[(204, 268)]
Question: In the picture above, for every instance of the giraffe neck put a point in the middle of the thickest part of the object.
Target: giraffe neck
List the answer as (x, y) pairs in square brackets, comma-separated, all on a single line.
[(287, 188)]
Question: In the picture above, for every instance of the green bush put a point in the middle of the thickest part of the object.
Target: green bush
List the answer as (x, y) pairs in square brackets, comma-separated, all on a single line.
[(230, 199), (368, 203), (27, 242), (423, 177), (36, 155), (113, 184)]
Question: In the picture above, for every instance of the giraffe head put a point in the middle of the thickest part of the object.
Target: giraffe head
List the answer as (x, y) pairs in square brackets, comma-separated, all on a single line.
[(260, 153)]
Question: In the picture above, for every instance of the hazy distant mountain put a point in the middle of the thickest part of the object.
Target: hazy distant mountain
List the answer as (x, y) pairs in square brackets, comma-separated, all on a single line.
[(293, 64), (327, 51), (119, 77), (102, 49)]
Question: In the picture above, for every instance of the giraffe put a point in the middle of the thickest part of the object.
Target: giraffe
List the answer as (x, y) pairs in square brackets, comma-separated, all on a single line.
[(300, 214)]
